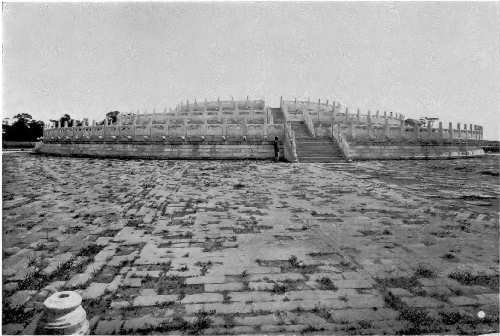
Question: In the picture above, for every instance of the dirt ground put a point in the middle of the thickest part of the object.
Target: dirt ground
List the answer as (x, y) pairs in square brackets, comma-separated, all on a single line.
[(246, 247)]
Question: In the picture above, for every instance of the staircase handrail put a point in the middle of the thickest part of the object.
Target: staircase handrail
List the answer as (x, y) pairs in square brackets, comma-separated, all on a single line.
[(343, 144), (289, 143), (309, 123)]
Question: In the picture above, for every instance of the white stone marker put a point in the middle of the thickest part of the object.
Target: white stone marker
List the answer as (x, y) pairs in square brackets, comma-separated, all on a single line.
[(64, 315)]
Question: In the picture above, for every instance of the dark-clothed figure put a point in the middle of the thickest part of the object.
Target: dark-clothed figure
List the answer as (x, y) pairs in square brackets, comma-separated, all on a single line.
[(276, 145)]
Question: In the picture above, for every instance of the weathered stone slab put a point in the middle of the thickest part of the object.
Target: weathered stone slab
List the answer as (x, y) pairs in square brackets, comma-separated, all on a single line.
[(422, 302), (399, 292), (209, 279), (95, 290), (151, 300), (261, 286), (202, 298), (109, 327), (20, 298), (276, 277), (78, 280), (228, 286), (462, 301)]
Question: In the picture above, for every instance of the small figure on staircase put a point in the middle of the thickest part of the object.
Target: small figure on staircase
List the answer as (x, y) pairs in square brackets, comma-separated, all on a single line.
[(276, 145)]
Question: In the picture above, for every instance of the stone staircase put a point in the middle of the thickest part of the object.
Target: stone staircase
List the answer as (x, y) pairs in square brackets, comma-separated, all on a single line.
[(278, 116), (315, 149)]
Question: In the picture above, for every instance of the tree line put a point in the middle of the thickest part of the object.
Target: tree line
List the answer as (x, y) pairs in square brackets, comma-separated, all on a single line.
[(25, 128)]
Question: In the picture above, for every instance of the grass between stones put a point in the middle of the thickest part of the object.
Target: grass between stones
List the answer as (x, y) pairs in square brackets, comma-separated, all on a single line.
[(423, 321), (469, 279)]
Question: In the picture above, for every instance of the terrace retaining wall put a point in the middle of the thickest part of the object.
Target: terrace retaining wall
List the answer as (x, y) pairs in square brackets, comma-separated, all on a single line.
[(151, 150), (408, 152)]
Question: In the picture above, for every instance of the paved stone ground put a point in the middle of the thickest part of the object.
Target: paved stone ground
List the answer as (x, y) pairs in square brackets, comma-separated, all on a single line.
[(253, 247)]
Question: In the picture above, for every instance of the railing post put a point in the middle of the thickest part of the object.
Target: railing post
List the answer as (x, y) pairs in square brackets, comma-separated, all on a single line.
[(369, 120), (441, 137), (333, 114)]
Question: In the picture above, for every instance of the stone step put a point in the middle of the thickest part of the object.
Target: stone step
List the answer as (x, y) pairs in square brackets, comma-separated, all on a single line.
[(315, 149), (300, 155), (311, 140), (319, 150), (320, 159), (331, 150), (304, 154), (314, 145)]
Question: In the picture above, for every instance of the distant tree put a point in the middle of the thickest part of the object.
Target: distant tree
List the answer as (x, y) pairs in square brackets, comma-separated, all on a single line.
[(24, 128), (56, 122), (112, 116), (66, 118), (36, 128), (414, 122)]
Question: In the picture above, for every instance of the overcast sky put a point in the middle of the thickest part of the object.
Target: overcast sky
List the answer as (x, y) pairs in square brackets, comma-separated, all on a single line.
[(420, 59)]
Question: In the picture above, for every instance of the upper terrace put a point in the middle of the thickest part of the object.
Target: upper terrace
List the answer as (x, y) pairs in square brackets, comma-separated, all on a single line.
[(221, 117)]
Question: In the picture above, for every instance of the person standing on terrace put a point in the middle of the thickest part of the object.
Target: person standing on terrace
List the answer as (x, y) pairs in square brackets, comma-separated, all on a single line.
[(276, 149)]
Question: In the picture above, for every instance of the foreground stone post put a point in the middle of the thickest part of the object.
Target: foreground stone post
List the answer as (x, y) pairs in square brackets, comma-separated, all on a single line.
[(401, 127), (450, 131), (64, 315), (429, 130)]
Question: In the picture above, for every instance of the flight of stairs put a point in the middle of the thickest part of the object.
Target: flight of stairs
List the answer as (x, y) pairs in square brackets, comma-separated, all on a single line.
[(278, 116), (315, 149)]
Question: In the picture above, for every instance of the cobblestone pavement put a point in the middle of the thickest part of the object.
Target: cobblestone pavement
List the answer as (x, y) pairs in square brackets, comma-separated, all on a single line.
[(253, 247)]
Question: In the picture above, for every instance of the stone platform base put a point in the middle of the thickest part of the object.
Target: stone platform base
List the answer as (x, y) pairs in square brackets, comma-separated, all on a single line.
[(413, 152), (258, 150)]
